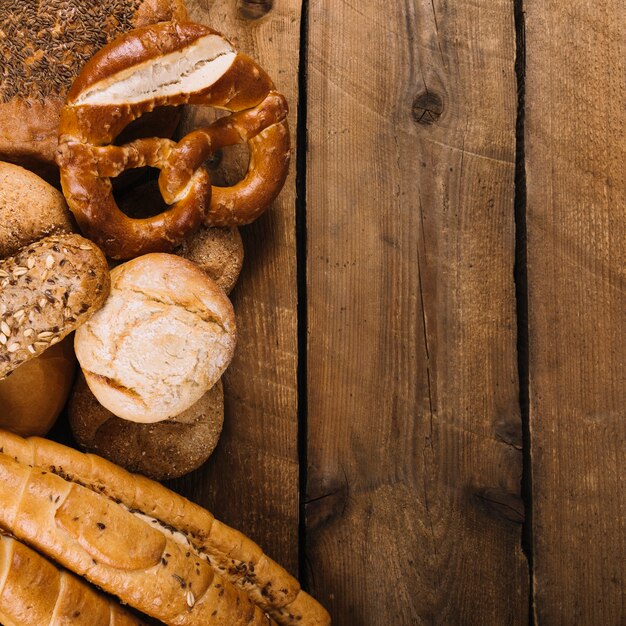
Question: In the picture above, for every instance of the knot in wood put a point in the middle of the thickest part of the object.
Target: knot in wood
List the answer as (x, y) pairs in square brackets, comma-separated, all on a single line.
[(254, 9), (427, 107)]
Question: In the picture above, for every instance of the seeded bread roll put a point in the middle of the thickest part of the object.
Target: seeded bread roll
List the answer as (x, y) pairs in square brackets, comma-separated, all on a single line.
[(33, 395), (44, 46), (163, 339), (30, 209), (33, 592), (164, 450), (216, 251), (47, 290)]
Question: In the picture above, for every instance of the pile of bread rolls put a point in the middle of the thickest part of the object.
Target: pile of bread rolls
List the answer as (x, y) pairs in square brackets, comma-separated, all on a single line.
[(122, 317)]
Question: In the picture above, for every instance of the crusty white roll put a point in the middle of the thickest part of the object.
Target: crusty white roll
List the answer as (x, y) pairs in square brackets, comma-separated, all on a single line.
[(34, 394), (163, 338)]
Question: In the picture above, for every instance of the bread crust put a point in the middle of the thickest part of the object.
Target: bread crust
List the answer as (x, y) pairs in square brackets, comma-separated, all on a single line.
[(30, 209), (164, 337), (234, 556), (33, 396), (34, 591), (161, 451), (29, 119), (47, 290)]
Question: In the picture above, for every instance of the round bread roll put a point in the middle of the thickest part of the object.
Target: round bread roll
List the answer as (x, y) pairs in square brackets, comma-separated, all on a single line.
[(34, 394), (165, 450), (162, 340), (30, 209), (44, 46), (216, 251)]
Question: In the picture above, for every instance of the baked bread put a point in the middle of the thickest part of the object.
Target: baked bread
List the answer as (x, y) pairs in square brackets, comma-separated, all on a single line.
[(47, 290), (44, 46), (30, 209), (34, 592), (142, 542), (163, 339), (218, 252), (33, 395), (164, 450)]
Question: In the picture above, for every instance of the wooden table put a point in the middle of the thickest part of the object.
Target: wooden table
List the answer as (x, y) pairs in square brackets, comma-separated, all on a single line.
[(425, 415)]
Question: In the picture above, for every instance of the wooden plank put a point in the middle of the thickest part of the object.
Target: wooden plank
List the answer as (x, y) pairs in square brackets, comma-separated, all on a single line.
[(251, 481), (414, 511), (575, 156)]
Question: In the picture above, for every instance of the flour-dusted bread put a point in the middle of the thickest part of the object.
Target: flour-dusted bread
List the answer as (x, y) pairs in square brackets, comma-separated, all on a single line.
[(34, 591), (30, 209), (47, 290), (163, 450), (142, 542), (44, 46), (163, 339)]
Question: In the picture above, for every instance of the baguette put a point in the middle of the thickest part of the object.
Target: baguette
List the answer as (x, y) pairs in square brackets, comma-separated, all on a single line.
[(33, 592), (47, 290), (64, 484)]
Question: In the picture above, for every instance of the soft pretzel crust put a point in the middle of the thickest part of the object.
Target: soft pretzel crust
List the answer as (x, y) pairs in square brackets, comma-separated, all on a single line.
[(104, 100), (236, 561)]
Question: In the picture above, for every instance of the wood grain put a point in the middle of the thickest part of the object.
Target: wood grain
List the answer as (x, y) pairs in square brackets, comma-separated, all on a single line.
[(575, 156), (414, 511), (251, 481)]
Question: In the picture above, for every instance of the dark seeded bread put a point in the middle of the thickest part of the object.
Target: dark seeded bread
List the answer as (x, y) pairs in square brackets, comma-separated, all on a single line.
[(47, 290)]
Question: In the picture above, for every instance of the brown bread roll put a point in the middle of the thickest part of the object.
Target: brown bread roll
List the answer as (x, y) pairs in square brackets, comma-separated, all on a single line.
[(47, 290), (30, 209), (34, 394), (44, 46), (164, 450), (218, 252), (33, 592), (163, 339)]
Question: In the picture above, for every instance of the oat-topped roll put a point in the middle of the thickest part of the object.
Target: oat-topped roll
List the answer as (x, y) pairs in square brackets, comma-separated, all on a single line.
[(47, 290)]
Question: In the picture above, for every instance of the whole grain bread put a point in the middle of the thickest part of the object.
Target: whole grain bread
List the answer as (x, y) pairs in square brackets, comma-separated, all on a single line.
[(47, 290), (162, 451)]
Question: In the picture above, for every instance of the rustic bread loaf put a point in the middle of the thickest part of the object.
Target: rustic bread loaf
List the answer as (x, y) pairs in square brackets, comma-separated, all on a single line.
[(47, 290), (44, 46), (163, 339), (234, 558), (30, 209), (33, 395), (164, 450), (34, 592)]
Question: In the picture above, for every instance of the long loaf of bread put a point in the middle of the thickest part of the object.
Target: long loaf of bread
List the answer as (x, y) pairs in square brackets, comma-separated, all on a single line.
[(154, 549), (34, 592)]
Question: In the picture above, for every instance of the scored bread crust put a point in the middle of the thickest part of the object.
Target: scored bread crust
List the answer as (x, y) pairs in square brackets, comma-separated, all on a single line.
[(231, 555), (34, 591), (29, 119), (164, 337)]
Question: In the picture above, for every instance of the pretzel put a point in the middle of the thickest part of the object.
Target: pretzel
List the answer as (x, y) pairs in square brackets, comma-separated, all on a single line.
[(169, 64)]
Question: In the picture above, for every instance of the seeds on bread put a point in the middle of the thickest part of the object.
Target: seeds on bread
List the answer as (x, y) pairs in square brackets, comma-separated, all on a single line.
[(47, 290)]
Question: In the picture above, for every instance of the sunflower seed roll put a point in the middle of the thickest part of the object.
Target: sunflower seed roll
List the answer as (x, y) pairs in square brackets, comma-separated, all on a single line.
[(47, 290)]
